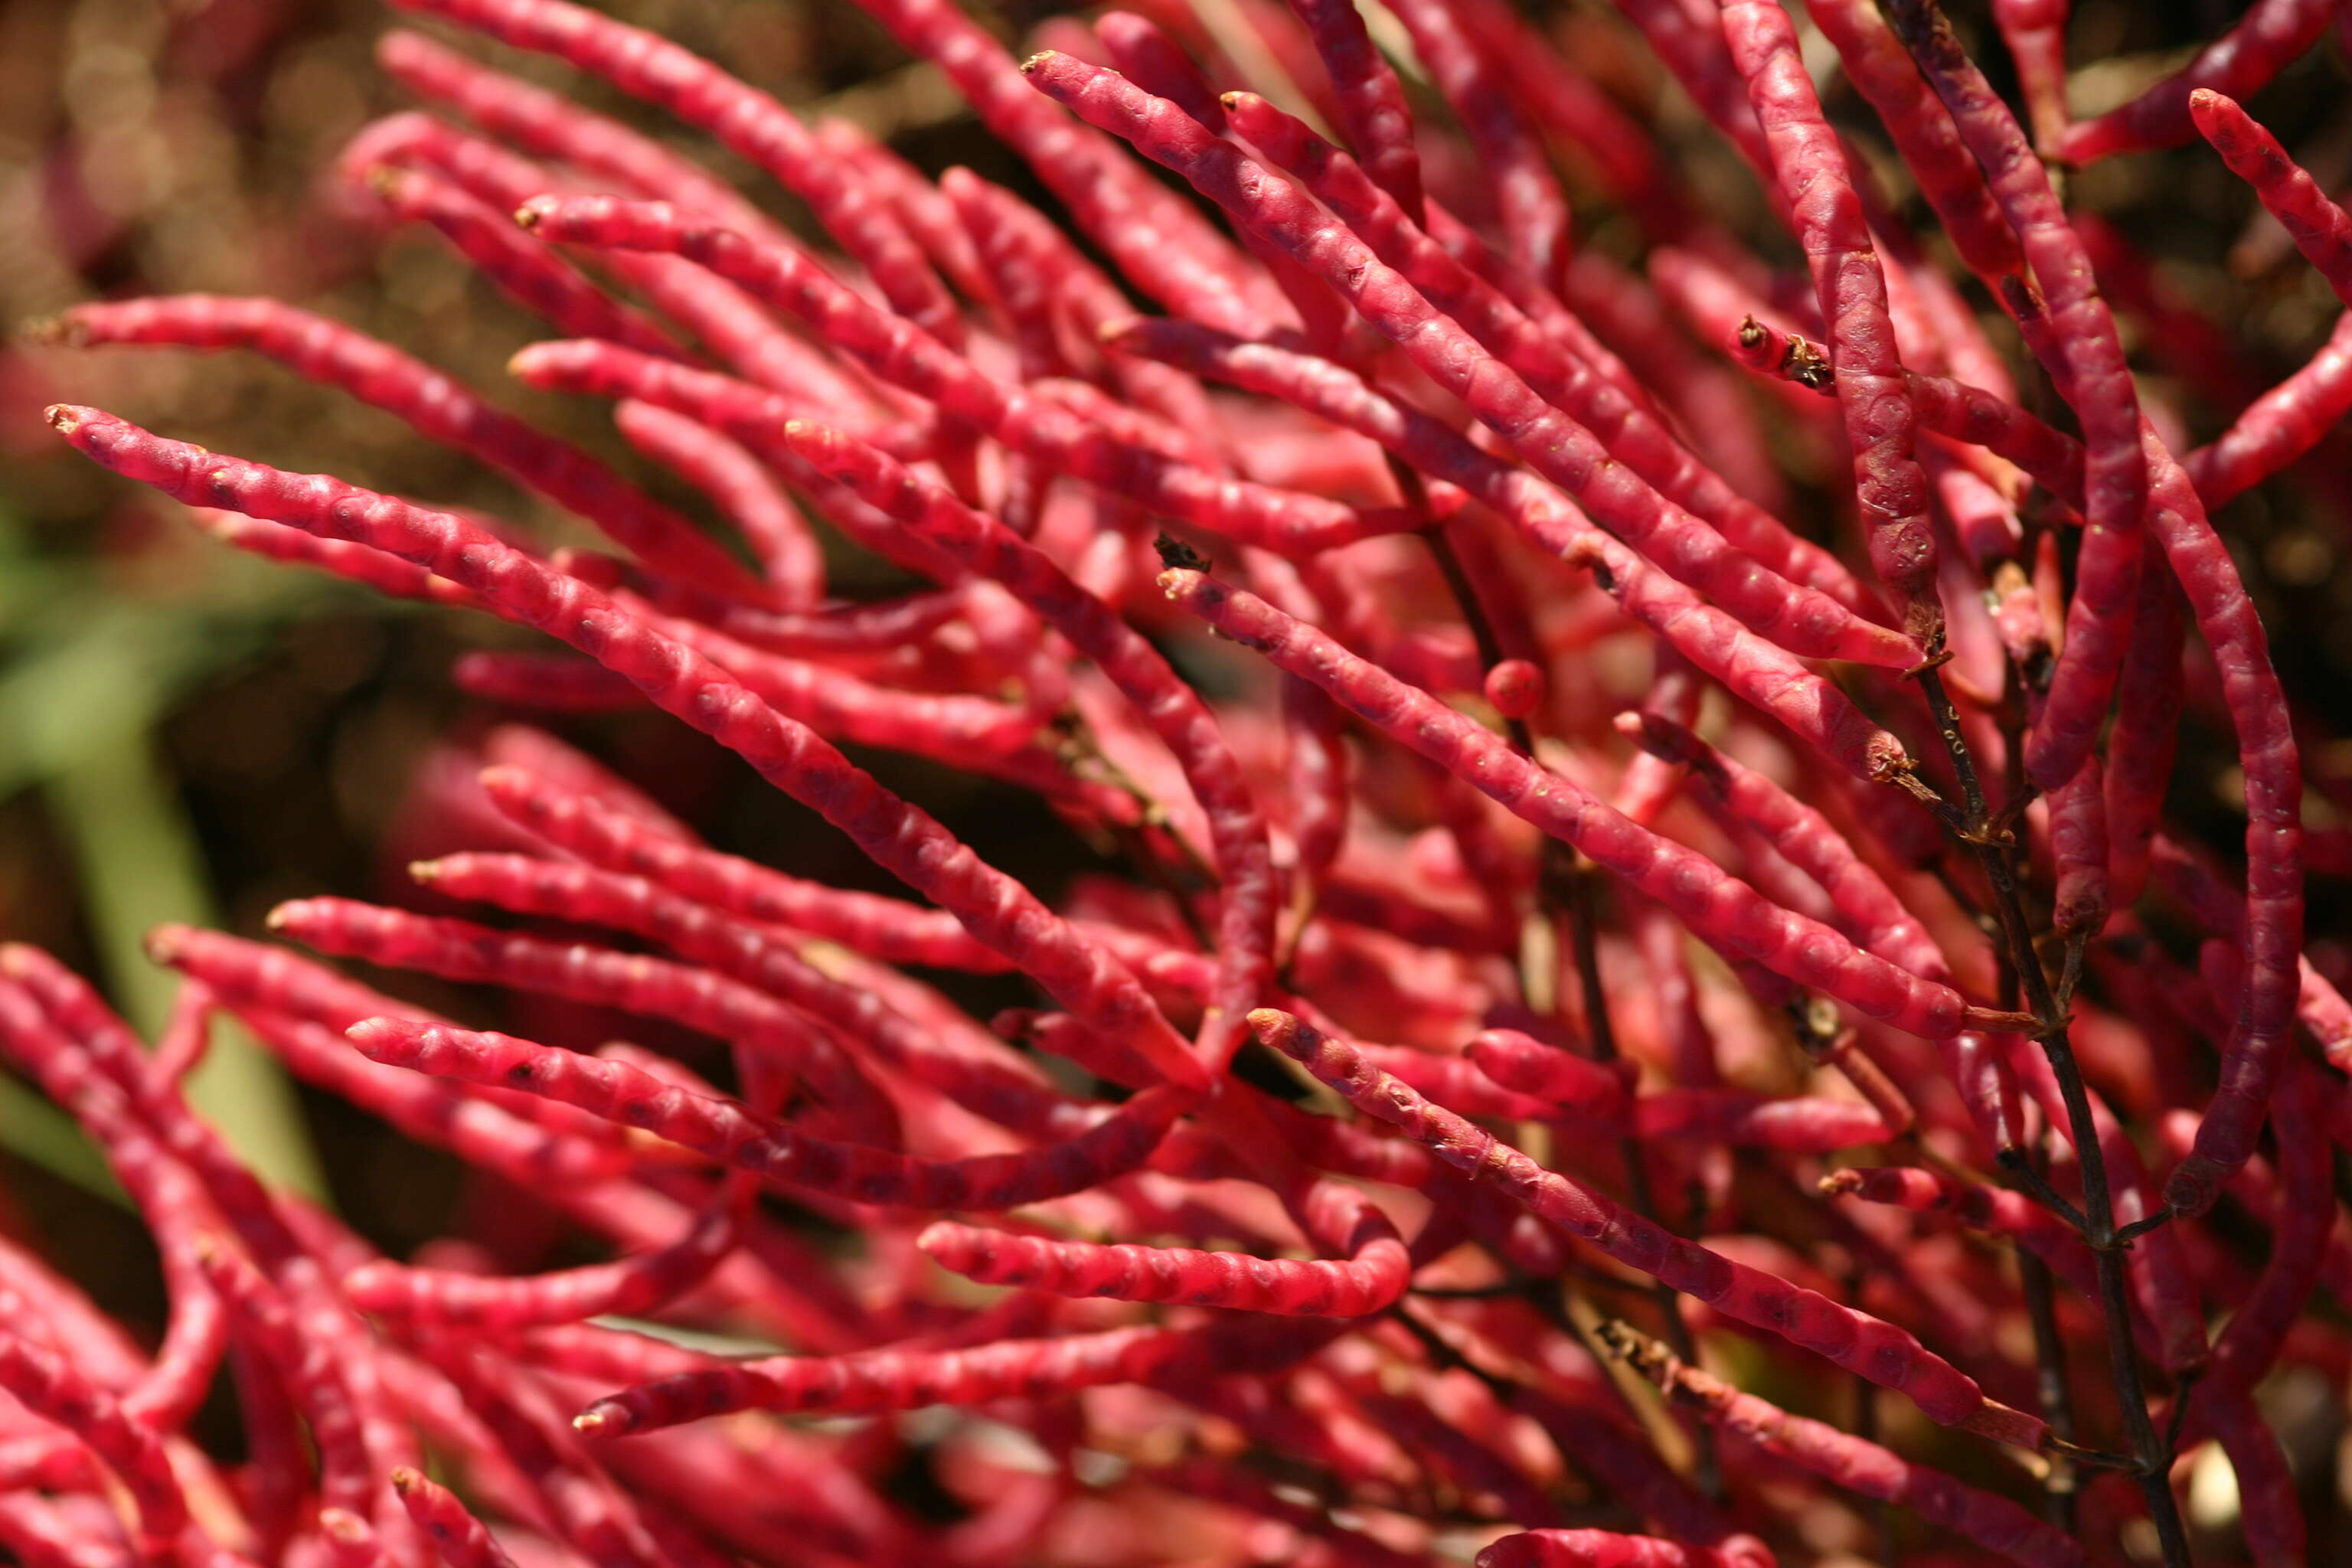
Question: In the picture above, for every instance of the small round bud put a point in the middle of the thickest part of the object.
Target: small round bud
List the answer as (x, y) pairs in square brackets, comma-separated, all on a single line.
[(1516, 687)]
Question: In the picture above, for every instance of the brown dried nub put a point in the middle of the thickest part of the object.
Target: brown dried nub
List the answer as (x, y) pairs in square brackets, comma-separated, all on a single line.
[(1805, 364), (1923, 27), (1816, 1019), (1636, 1349), (1177, 556), (54, 331)]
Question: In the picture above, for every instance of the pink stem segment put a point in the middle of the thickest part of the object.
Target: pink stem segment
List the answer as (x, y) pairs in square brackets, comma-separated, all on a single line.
[(1719, 908), (1865, 1345), (911, 843)]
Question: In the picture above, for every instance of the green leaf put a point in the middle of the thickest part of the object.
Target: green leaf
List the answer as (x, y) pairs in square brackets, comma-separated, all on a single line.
[(40, 1135), (139, 869)]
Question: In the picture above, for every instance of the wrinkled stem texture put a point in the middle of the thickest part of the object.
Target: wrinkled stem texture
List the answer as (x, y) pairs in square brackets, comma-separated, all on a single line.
[(1402, 730)]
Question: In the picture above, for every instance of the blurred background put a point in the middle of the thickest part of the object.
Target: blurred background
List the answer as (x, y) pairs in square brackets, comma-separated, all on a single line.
[(189, 734)]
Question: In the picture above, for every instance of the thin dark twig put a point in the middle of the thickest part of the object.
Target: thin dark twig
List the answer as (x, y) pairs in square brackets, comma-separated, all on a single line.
[(2097, 1217), (2014, 1164), (1576, 900), (1564, 885), (2060, 1487)]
